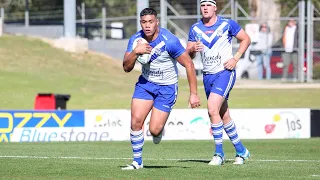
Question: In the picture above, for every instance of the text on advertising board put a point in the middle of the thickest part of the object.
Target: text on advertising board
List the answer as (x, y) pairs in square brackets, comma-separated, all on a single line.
[(37, 119)]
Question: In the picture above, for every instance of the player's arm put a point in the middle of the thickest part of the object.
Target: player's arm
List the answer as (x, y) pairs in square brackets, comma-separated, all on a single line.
[(178, 52), (236, 31), (194, 45), (130, 58), (191, 49), (185, 60), (245, 41), (129, 61)]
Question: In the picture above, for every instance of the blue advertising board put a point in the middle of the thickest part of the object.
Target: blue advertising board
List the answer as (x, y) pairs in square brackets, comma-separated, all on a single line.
[(37, 119)]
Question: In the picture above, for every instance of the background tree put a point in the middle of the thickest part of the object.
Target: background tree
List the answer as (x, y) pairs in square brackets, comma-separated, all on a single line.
[(4, 3), (52, 10)]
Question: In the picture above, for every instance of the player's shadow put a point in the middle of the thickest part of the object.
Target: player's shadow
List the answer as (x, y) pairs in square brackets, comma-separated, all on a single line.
[(200, 161), (160, 167), (164, 167)]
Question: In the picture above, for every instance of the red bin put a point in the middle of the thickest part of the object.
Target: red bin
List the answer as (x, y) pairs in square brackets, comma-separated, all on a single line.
[(45, 102)]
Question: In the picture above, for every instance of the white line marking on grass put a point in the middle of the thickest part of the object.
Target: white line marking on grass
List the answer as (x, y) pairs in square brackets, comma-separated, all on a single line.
[(315, 175), (150, 159), (284, 160), (67, 157)]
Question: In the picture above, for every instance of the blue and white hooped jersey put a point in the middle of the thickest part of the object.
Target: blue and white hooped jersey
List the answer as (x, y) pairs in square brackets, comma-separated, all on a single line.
[(162, 68), (217, 41)]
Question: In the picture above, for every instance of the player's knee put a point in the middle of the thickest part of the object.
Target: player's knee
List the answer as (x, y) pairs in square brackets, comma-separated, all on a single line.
[(226, 118), (136, 126), (155, 130), (213, 112), (136, 123)]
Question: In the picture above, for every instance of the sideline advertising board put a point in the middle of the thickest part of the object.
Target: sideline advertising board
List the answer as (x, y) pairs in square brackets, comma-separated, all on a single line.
[(10, 120), (116, 122), (185, 124), (67, 134), (114, 125), (108, 118)]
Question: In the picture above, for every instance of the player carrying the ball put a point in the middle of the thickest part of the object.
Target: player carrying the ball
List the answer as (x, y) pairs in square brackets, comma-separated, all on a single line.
[(157, 87)]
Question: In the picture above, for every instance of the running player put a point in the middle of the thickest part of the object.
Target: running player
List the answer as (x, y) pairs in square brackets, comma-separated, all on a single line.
[(157, 87), (211, 36)]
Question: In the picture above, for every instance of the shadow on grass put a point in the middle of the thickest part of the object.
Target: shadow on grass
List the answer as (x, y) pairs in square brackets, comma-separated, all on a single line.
[(160, 167), (201, 161)]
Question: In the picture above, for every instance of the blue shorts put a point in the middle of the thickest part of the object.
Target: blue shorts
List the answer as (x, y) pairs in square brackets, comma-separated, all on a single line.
[(220, 83), (164, 96)]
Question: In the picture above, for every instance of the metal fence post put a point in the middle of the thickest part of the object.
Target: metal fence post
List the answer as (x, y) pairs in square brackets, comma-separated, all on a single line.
[(233, 9), (198, 10), (69, 10), (163, 13), (83, 18), (2, 13), (26, 14), (1, 20), (103, 23), (1, 26), (309, 69), (301, 40), (141, 4)]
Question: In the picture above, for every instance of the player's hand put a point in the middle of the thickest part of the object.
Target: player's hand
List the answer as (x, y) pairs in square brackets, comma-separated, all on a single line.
[(142, 48), (230, 64), (198, 46), (194, 100)]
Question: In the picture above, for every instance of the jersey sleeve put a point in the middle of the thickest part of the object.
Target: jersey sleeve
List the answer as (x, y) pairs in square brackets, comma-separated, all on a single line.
[(234, 27), (174, 47), (130, 44), (192, 37)]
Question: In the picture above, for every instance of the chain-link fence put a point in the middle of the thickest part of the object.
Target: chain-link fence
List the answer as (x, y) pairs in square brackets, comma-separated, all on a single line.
[(121, 22)]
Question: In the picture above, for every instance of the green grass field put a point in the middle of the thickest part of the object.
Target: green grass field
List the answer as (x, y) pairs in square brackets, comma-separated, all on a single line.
[(29, 66), (271, 159)]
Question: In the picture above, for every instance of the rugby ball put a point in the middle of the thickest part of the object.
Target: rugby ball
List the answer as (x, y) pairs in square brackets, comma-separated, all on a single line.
[(144, 58)]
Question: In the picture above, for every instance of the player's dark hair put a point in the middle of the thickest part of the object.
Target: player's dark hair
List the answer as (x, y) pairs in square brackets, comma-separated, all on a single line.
[(148, 11)]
